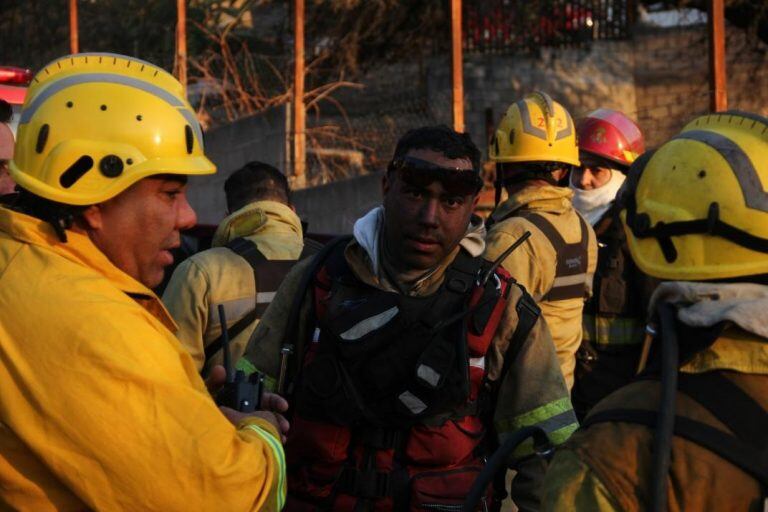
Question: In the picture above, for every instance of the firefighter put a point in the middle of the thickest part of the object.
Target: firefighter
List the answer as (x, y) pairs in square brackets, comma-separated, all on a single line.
[(412, 356), (614, 316), (690, 434), (101, 407), (534, 148), (253, 249)]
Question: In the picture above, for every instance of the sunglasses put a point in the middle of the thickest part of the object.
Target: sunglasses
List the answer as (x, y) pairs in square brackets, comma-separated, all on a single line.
[(420, 173)]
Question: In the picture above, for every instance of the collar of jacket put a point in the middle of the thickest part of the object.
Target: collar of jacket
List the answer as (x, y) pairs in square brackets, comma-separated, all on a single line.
[(260, 217), (546, 198), (360, 261), (81, 250), (742, 347)]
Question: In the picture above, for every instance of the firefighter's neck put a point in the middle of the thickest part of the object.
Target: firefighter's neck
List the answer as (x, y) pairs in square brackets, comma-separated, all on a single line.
[(403, 279)]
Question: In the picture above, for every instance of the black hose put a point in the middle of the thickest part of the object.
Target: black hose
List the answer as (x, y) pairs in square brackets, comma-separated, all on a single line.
[(498, 461), (665, 423)]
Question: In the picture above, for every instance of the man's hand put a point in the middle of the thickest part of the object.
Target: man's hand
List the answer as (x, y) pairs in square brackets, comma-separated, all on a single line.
[(216, 379), (277, 420), (272, 404)]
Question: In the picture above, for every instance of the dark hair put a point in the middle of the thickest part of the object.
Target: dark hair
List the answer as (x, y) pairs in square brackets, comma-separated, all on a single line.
[(439, 138), (256, 181), (60, 216), (6, 112)]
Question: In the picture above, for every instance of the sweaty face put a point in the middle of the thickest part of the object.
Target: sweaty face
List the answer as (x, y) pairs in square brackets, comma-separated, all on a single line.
[(590, 178), (424, 223), (138, 228)]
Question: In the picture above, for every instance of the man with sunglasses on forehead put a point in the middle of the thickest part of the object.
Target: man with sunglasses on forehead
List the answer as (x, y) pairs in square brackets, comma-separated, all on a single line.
[(534, 148), (412, 357)]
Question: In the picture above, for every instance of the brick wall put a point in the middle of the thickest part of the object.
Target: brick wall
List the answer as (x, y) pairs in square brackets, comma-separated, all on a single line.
[(671, 77)]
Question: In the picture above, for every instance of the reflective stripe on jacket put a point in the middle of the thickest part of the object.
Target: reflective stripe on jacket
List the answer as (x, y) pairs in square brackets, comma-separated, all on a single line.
[(100, 406)]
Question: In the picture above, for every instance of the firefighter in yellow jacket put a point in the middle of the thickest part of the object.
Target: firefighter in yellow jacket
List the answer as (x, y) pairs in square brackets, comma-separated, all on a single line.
[(101, 408), (534, 148), (691, 433), (253, 249)]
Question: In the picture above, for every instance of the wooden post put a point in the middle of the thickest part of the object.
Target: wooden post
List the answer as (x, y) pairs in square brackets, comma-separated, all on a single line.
[(181, 43), (718, 84), (456, 65), (74, 39), (299, 121)]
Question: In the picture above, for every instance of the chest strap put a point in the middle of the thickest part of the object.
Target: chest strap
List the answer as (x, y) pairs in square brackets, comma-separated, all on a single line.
[(745, 448), (571, 271)]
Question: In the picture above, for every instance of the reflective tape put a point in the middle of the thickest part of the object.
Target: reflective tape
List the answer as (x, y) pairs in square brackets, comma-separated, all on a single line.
[(112, 78), (412, 402), (556, 418), (604, 331), (265, 297), (428, 375), (279, 457), (570, 280), (369, 325)]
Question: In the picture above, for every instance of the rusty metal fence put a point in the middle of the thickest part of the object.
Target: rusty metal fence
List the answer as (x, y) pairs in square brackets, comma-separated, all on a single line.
[(511, 26)]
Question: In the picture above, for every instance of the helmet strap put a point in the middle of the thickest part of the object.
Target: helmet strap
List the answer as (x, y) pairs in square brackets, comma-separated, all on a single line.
[(61, 217)]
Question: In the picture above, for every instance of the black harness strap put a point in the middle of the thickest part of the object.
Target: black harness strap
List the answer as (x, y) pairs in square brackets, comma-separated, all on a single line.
[(726, 446), (728, 403), (267, 276), (571, 258), (746, 448)]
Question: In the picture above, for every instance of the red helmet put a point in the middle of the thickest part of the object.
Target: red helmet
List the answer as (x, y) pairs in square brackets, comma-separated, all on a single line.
[(611, 135)]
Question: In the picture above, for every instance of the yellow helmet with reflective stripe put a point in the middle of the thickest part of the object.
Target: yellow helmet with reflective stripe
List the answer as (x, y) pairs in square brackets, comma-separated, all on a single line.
[(535, 129), (697, 208), (94, 124)]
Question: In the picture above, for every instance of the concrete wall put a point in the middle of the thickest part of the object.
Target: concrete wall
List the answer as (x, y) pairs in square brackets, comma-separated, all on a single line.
[(260, 137), (334, 208), (659, 77)]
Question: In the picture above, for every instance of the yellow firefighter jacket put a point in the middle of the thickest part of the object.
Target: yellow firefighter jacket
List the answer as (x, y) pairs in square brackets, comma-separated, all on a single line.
[(606, 467), (535, 264), (532, 390), (220, 276), (100, 406)]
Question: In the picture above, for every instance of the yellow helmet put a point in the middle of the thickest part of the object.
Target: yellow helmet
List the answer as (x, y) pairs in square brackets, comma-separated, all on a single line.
[(697, 208), (94, 124), (535, 129)]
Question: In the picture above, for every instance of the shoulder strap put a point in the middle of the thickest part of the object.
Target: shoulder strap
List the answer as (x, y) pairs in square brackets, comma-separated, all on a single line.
[(746, 448), (726, 446), (267, 276), (318, 260), (528, 313), (571, 270), (730, 404)]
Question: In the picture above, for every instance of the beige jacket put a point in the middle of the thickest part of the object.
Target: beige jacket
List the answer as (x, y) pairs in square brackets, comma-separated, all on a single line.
[(604, 468), (219, 276), (534, 263)]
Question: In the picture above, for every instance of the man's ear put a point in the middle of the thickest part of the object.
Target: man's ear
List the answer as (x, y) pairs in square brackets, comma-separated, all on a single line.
[(385, 184), (92, 217), (475, 201)]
